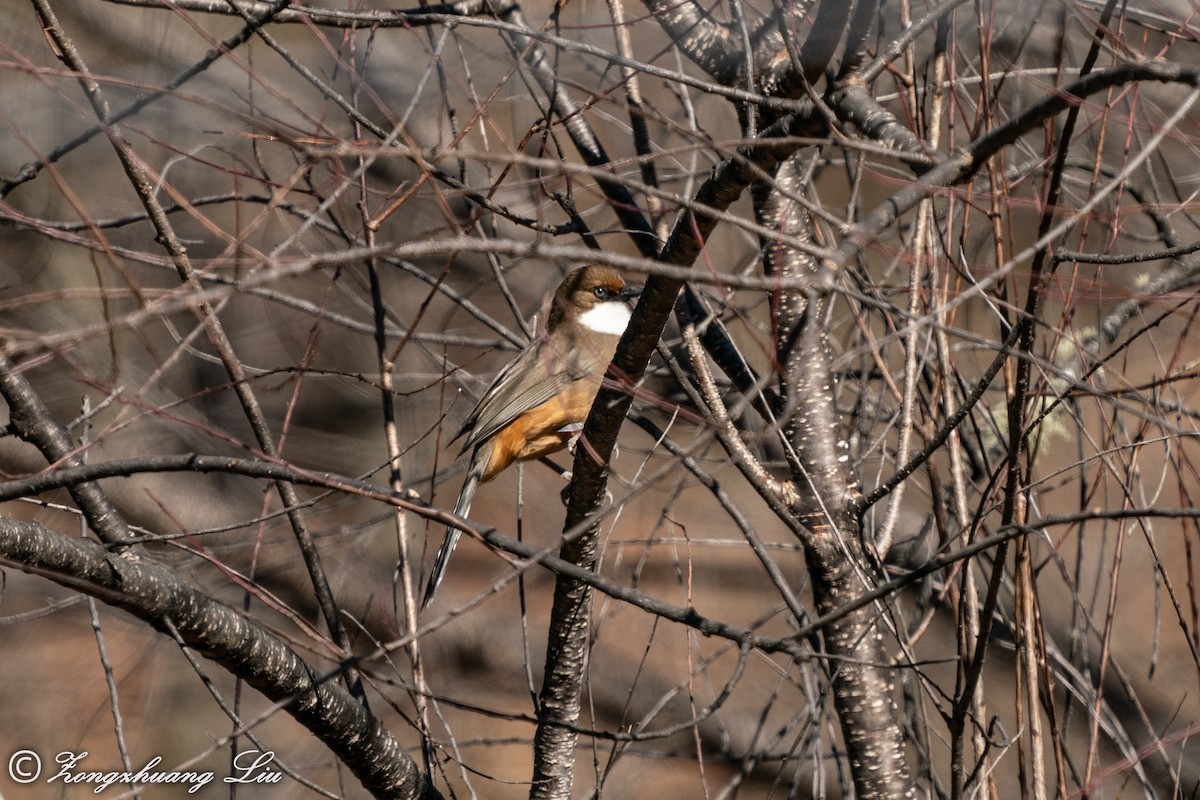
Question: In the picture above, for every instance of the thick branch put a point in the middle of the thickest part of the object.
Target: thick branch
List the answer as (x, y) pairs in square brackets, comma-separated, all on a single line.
[(782, 71), (710, 45), (827, 494), (156, 595)]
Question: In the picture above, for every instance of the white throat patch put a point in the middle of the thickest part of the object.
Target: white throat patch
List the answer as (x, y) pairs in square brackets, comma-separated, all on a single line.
[(610, 317)]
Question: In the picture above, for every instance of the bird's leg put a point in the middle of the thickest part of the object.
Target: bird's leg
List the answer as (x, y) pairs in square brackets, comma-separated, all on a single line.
[(576, 430)]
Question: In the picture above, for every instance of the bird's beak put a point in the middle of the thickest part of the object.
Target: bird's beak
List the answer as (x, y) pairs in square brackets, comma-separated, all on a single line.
[(630, 293)]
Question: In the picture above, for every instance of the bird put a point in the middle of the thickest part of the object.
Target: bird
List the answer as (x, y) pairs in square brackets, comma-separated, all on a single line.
[(539, 401)]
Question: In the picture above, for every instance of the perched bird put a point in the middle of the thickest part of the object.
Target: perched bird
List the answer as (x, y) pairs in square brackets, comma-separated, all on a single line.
[(541, 399)]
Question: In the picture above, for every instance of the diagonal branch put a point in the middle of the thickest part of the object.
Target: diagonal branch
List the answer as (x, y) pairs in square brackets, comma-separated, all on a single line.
[(32, 421), (156, 595)]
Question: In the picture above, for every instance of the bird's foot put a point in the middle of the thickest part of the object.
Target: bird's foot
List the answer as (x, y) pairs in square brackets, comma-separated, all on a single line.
[(576, 430)]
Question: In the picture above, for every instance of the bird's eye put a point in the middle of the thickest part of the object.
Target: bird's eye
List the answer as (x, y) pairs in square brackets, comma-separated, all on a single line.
[(602, 293)]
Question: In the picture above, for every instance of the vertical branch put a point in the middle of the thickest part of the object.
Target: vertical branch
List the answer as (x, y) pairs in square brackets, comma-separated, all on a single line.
[(560, 700), (921, 249), (637, 112), (396, 483), (110, 679), (967, 628), (1028, 674), (827, 489)]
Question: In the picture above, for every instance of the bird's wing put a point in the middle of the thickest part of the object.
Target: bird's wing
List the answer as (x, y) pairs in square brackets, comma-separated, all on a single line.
[(532, 378), (525, 383)]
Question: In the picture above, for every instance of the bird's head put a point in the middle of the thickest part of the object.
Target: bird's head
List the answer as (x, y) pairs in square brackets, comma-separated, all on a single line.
[(595, 297)]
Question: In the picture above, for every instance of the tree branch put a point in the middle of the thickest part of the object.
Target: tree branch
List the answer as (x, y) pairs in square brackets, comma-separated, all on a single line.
[(157, 596)]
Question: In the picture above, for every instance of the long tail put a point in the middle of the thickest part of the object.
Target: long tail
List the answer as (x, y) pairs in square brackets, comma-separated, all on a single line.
[(461, 509)]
